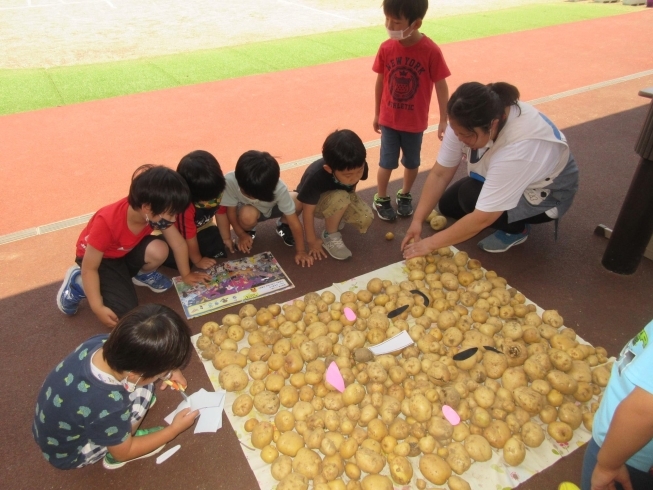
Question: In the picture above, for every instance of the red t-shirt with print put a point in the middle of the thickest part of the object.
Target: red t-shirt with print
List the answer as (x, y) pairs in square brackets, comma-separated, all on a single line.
[(192, 218), (107, 231), (408, 77)]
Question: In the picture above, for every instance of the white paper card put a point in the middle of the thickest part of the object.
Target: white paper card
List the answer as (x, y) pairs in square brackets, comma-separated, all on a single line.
[(210, 405), (398, 342)]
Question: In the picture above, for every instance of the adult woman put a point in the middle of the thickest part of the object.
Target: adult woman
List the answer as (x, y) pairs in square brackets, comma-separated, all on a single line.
[(521, 171)]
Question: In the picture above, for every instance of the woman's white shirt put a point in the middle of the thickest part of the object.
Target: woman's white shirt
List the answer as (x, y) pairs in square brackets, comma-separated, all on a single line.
[(511, 170)]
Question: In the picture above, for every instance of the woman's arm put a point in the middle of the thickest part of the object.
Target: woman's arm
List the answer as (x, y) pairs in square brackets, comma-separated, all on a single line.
[(436, 182)]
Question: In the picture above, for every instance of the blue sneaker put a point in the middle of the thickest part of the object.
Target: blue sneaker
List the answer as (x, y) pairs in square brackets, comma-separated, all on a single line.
[(154, 280), (70, 293), (501, 241)]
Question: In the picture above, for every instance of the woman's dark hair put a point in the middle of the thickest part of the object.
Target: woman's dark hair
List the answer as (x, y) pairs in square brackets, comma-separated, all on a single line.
[(163, 189), (474, 105), (344, 150), (149, 340), (257, 173), (411, 10), (203, 174)]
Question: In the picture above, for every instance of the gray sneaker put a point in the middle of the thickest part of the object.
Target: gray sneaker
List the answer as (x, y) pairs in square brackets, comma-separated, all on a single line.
[(333, 244)]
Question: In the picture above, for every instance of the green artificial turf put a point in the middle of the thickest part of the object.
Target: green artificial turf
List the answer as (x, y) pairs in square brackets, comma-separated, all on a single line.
[(31, 89)]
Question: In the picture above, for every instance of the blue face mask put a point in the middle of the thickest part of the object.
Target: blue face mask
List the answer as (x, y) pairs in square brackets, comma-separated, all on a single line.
[(160, 225), (346, 186)]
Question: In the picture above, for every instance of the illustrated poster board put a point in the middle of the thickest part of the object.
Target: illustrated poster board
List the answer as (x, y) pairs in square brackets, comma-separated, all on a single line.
[(233, 282)]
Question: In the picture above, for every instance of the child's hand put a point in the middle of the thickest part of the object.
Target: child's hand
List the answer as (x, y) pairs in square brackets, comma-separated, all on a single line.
[(229, 244), (303, 259), (205, 263), (193, 278), (107, 316), (184, 419), (245, 242), (375, 125), (176, 377), (315, 249), (441, 129)]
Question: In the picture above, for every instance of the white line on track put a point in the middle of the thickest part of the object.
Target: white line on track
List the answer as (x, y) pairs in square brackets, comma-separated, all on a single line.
[(321, 11), (68, 223)]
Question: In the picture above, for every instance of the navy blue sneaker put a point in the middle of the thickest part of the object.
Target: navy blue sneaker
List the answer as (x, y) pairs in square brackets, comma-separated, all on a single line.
[(284, 231), (70, 293), (501, 241), (154, 280)]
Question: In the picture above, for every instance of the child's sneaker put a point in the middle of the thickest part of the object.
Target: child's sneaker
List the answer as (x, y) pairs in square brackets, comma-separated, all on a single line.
[(332, 243), (404, 203), (111, 463), (383, 208), (500, 241), (154, 280), (251, 233), (70, 293), (283, 230)]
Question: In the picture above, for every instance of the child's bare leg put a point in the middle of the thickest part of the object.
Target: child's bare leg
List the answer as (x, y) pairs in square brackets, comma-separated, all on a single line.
[(382, 180), (155, 254), (410, 174), (248, 217)]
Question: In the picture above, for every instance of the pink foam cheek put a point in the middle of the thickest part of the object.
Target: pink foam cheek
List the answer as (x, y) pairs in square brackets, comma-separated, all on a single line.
[(450, 414), (349, 314)]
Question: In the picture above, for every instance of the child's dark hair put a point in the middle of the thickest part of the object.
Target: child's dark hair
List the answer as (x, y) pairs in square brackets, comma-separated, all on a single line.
[(163, 189), (411, 10), (203, 174), (149, 340), (474, 105), (344, 150), (257, 173)]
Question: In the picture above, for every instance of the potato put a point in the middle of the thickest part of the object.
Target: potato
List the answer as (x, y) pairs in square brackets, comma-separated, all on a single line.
[(420, 408), (478, 448), (368, 460), (548, 414), (588, 420), (528, 399), (562, 382), (514, 452), (532, 434), (497, 433), (233, 378), (262, 434), (570, 414), (281, 467), (288, 396), (293, 481), (537, 366), (307, 463), (269, 454), (601, 376), (495, 364), (242, 405), (401, 470), (457, 483), (377, 482), (458, 458), (560, 431), (226, 357), (438, 223), (434, 468), (266, 402)]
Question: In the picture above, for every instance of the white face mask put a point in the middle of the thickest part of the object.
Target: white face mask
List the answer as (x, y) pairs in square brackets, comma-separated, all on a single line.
[(128, 385), (399, 35)]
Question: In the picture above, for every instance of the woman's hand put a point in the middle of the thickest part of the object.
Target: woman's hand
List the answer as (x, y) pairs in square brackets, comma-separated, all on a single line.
[(417, 249), (605, 478), (413, 234)]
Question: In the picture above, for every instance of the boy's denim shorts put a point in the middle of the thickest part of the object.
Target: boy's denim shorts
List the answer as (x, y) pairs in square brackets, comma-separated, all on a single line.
[(392, 141)]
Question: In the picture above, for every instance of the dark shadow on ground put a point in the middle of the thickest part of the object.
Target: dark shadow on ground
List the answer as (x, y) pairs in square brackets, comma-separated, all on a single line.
[(605, 308)]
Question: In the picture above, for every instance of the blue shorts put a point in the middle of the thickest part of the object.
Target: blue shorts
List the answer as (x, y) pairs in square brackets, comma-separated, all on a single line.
[(392, 141)]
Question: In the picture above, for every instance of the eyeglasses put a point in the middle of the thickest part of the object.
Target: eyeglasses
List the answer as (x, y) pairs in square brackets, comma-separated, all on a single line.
[(212, 203)]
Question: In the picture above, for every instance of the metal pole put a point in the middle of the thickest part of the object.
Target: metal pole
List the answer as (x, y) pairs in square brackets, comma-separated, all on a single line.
[(634, 227)]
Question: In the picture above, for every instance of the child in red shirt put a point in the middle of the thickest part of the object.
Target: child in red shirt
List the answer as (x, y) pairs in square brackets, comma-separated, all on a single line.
[(408, 65), (117, 250)]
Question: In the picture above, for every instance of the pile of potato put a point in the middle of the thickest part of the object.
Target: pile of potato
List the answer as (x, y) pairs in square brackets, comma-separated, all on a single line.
[(479, 348)]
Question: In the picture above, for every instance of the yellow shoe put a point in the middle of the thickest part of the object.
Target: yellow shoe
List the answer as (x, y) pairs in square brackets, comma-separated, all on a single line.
[(565, 485)]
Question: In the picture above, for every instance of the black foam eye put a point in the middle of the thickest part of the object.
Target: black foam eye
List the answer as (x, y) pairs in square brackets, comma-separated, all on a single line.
[(489, 347), (466, 354), (398, 311), (426, 299)]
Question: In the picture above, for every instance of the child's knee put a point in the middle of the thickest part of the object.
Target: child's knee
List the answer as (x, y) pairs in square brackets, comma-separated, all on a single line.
[(248, 217), (156, 252)]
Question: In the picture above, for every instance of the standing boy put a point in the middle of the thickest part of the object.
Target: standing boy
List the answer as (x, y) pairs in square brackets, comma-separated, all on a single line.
[(116, 249), (328, 191), (206, 241), (254, 193), (408, 65)]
